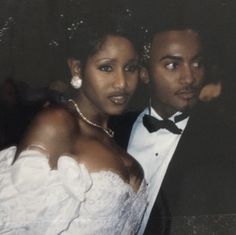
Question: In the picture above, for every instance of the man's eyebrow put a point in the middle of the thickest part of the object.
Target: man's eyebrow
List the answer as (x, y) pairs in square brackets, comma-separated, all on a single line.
[(171, 57), (179, 58), (198, 56)]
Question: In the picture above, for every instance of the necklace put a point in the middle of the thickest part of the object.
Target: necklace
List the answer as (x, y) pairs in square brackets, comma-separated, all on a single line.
[(108, 131)]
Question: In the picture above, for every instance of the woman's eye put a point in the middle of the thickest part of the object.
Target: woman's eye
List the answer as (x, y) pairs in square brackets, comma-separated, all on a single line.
[(171, 66), (131, 68), (105, 68)]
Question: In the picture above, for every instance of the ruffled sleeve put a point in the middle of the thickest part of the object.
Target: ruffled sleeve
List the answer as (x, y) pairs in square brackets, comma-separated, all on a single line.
[(7, 157), (37, 200)]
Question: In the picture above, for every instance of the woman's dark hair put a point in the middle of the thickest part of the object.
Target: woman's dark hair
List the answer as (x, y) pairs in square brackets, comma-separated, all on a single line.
[(92, 32)]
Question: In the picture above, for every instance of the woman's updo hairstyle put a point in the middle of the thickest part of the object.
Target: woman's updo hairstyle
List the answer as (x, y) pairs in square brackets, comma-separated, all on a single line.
[(88, 37)]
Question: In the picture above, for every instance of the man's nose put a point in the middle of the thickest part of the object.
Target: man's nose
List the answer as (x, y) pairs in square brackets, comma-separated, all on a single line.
[(187, 76)]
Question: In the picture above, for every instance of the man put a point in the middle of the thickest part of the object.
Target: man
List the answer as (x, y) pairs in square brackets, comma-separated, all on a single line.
[(187, 159)]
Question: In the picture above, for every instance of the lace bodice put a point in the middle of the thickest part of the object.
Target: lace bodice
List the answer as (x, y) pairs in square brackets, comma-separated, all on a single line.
[(37, 200)]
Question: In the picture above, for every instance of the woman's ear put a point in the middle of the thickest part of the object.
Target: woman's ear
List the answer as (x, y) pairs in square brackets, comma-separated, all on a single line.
[(144, 76), (74, 66)]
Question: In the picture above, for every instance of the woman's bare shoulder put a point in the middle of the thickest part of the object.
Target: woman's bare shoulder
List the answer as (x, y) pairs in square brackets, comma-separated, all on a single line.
[(53, 128), (56, 117)]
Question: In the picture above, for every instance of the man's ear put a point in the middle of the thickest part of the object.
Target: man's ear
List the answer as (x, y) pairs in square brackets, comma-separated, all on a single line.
[(74, 66), (144, 76)]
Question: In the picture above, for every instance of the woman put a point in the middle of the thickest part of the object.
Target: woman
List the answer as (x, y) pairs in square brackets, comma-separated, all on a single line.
[(69, 176)]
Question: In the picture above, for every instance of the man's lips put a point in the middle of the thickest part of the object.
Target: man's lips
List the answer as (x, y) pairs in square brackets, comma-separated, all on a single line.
[(187, 94)]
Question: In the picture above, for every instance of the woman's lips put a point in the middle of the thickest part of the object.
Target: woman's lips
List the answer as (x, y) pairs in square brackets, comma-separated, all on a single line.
[(119, 99)]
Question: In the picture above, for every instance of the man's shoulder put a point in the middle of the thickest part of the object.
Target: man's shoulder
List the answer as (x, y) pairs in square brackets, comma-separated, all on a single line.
[(209, 115), (125, 119), (210, 127), (122, 126)]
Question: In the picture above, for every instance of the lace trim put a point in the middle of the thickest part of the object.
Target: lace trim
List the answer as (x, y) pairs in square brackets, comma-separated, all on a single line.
[(115, 177)]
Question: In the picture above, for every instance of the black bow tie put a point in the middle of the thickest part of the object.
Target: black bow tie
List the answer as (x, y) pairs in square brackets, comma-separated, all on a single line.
[(153, 124)]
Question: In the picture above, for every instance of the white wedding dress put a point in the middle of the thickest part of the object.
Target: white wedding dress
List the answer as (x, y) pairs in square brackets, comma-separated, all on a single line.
[(35, 200)]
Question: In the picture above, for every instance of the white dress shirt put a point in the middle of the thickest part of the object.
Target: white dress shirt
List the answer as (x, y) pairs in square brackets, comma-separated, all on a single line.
[(154, 152)]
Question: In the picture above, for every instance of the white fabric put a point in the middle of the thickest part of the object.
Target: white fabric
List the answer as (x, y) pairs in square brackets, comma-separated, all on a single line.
[(154, 152), (35, 200)]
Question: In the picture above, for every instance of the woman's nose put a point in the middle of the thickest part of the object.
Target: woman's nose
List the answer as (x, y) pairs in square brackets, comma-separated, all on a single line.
[(120, 81)]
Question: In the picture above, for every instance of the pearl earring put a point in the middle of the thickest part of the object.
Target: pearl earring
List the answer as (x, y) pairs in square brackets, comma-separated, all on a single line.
[(76, 82)]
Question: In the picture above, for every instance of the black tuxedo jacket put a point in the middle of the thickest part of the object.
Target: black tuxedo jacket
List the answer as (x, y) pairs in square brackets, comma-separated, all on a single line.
[(199, 188)]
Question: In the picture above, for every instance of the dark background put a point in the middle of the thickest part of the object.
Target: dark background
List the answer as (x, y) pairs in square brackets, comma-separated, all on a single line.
[(33, 38)]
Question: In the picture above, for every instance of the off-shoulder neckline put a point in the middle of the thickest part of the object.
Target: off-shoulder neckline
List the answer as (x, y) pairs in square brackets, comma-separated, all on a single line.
[(107, 172)]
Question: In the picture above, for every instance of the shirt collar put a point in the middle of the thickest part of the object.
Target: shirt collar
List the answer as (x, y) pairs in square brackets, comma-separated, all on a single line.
[(156, 115)]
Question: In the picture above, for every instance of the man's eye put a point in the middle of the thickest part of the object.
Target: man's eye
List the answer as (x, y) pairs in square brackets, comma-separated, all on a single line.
[(197, 64), (131, 68), (171, 66), (105, 68)]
